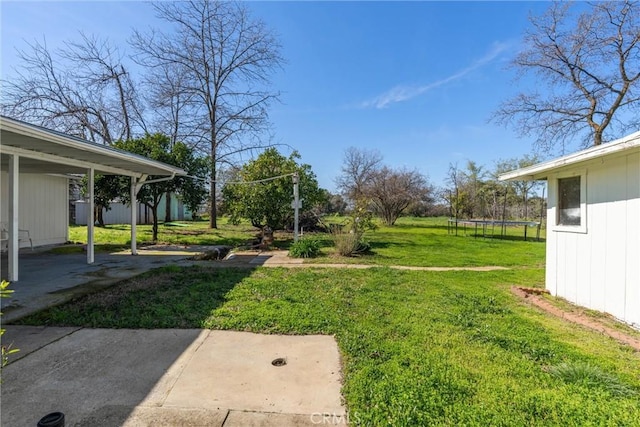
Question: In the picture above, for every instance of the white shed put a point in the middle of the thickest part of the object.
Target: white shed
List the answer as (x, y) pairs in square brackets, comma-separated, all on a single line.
[(593, 226), (34, 162)]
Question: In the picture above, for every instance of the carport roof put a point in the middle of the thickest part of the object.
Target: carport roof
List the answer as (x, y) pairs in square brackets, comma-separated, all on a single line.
[(43, 150)]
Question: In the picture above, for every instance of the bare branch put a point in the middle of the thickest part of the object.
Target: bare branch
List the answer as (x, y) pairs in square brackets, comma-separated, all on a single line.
[(591, 65), (209, 74), (83, 89)]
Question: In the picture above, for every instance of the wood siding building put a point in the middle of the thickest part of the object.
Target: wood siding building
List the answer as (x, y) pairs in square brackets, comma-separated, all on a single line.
[(34, 190), (43, 207), (593, 226)]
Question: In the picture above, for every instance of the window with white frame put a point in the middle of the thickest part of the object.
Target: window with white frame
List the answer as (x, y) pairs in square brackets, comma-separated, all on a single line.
[(571, 212), (569, 201)]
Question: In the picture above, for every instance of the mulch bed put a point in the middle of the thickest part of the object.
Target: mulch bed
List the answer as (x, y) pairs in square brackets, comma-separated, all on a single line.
[(534, 296)]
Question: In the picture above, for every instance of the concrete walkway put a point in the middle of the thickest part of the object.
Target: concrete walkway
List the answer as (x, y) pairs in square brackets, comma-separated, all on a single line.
[(48, 279), (282, 259), (100, 377)]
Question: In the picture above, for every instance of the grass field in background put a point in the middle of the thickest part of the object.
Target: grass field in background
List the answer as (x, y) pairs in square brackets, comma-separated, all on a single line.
[(411, 242), (426, 242), (118, 236)]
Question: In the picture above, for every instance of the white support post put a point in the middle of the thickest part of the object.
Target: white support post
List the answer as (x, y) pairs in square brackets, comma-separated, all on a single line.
[(14, 204), (90, 219), (66, 215), (296, 206), (134, 215)]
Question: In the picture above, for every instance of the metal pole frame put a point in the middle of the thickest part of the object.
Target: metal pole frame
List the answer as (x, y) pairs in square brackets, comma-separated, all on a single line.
[(296, 206)]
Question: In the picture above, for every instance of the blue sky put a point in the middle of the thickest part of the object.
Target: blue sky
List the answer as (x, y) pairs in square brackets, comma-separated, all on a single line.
[(416, 81)]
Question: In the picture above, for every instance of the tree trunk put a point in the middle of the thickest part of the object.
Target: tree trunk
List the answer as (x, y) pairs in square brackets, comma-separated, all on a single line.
[(97, 215), (213, 223), (154, 228), (597, 137), (167, 211), (123, 103)]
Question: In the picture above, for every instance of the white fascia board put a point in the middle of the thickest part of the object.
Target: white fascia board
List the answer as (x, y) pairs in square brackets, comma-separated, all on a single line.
[(6, 149), (37, 132), (541, 170)]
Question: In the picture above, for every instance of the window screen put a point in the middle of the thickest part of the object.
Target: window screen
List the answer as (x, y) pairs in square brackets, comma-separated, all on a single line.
[(569, 201)]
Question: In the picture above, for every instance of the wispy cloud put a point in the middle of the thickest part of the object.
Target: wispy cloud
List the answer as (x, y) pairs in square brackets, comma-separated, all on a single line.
[(404, 93)]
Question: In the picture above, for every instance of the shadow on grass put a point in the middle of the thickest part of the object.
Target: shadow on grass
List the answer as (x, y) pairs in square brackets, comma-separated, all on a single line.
[(381, 245), (509, 237), (168, 297), (424, 226)]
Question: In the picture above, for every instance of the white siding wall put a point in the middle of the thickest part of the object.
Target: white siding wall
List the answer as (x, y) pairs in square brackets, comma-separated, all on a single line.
[(632, 300), (119, 213), (44, 207), (600, 268)]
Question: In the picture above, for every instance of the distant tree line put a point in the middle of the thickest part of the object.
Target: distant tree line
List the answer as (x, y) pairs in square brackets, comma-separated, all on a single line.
[(367, 185), (476, 192), (469, 192)]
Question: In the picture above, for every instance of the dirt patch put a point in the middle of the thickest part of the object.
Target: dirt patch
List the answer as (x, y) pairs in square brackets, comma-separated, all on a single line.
[(535, 296)]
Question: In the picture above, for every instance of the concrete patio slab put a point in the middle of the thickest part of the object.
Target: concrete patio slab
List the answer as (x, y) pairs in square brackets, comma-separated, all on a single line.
[(32, 338), (89, 370), (261, 419), (48, 279), (172, 377), (152, 416), (236, 370)]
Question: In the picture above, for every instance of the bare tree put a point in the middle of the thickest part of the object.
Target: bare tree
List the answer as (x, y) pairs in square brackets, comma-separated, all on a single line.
[(83, 89), (591, 65), (523, 189), (392, 191), (474, 178), (358, 167), (224, 59), (455, 194), (167, 94)]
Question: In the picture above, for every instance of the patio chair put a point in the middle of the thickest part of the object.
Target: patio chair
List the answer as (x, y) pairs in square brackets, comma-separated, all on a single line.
[(23, 235)]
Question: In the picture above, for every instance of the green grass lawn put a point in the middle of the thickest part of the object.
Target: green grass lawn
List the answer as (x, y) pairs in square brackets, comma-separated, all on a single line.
[(426, 242), (421, 242), (118, 236), (418, 348)]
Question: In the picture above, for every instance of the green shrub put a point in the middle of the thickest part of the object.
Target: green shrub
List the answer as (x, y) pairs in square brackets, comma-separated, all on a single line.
[(349, 243), (305, 248)]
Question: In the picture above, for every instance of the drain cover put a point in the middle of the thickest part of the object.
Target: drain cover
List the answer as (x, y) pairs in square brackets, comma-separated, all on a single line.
[(280, 361)]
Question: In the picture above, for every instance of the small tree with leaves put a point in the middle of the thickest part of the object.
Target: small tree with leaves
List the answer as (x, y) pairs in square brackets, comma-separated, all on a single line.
[(159, 147), (267, 202), (522, 189), (7, 350)]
